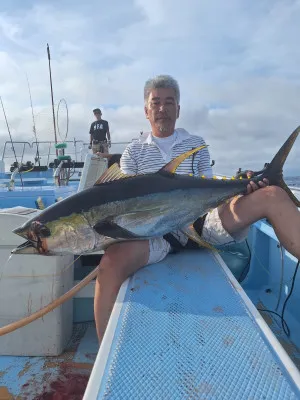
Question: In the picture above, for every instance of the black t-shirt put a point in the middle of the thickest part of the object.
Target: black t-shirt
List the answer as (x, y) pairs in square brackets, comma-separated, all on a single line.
[(99, 129)]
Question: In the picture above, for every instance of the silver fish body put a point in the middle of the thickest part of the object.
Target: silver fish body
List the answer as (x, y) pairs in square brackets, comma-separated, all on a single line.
[(136, 208)]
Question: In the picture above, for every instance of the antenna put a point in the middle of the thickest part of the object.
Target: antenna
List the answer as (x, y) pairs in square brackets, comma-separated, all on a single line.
[(33, 120), (54, 123), (12, 143)]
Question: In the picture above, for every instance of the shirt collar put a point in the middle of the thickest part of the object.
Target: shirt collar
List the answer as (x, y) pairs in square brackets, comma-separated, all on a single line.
[(182, 135)]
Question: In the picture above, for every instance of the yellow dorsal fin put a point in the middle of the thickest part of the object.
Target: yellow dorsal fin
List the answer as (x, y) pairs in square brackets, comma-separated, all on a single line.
[(174, 164), (111, 174)]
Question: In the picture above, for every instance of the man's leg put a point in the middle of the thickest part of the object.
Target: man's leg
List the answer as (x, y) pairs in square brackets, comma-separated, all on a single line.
[(95, 147), (270, 202), (119, 262), (105, 148)]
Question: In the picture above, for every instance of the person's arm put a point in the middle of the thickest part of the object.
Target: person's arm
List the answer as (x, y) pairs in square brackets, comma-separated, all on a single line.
[(128, 164), (203, 162), (91, 137), (108, 136)]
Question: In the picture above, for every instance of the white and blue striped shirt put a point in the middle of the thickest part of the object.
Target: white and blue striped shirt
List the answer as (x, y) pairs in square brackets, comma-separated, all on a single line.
[(144, 155)]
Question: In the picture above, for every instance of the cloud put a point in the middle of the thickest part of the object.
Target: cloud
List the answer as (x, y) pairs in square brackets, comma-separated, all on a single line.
[(237, 63)]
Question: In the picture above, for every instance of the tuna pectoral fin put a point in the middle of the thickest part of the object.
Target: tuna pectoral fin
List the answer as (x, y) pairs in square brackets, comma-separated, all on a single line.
[(190, 232), (109, 228), (274, 171), (174, 164)]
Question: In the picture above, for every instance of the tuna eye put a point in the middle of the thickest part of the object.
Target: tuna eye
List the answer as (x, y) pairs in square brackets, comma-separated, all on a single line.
[(40, 230)]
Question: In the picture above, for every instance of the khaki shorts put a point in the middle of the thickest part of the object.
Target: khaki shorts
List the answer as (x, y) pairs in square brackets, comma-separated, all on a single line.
[(212, 233), (101, 147)]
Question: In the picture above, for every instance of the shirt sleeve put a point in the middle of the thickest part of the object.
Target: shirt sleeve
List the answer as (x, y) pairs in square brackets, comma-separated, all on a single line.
[(91, 129), (203, 162), (127, 163)]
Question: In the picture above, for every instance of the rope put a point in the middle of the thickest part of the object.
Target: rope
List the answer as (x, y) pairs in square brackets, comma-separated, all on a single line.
[(51, 306)]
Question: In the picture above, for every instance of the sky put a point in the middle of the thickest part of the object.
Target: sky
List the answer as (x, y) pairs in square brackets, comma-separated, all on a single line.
[(236, 61)]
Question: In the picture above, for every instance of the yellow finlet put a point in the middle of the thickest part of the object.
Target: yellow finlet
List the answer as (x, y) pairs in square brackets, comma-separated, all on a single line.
[(174, 164), (111, 174), (203, 176)]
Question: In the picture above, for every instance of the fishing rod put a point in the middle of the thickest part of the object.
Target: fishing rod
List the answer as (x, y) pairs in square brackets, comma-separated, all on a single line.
[(12, 143), (33, 120), (53, 112)]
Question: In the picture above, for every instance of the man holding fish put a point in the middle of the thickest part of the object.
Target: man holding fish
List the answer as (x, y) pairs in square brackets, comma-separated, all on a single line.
[(227, 223)]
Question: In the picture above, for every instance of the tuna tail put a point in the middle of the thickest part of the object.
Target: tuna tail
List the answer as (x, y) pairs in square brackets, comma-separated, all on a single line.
[(274, 170)]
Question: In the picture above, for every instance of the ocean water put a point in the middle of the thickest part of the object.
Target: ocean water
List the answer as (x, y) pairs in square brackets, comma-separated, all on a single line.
[(292, 181)]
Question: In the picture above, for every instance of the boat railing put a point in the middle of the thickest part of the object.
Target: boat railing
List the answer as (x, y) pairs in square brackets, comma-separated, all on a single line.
[(45, 149), (8, 143), (51, 148)]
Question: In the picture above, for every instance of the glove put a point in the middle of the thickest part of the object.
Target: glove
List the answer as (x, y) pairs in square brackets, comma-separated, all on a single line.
[(90, 146)]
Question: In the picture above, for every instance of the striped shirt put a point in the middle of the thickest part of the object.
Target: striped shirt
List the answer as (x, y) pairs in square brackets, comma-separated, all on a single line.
[(144, 155)]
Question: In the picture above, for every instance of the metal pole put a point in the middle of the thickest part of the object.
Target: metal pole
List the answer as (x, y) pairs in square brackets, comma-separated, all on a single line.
[(33, 121), (12, 143), (54, 123)]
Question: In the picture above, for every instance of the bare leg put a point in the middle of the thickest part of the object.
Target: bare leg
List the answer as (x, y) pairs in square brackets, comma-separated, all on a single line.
[(117, 264), (270, 202)]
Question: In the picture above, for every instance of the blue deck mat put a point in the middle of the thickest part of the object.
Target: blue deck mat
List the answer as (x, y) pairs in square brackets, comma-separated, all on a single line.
[(185, 333)]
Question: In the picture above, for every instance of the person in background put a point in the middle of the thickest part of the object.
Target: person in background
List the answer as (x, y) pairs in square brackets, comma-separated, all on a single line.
[(99, 134)]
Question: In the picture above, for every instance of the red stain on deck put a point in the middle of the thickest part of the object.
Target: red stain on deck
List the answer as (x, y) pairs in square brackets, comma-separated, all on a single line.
[(67, 386)]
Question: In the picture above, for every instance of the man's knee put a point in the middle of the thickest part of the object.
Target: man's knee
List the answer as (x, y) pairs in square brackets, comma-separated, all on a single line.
[(272, 194), (120, 259)]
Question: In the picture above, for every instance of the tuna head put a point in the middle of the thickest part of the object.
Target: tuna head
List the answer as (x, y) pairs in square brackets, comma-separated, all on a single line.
[(36, 234), (70, 236)]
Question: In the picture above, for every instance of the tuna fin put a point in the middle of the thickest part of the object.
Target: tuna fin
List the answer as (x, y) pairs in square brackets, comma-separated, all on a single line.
[(174, 164), (111, 174), (191, 233), (107, 227), (274, 170)]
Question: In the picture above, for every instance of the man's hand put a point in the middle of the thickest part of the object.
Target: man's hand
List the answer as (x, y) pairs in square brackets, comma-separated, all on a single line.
[(90, 146), (253, 186), (109, 143)]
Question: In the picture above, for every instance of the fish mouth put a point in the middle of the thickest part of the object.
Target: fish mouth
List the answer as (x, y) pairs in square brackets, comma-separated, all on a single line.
[(32, 247), (25, 248)]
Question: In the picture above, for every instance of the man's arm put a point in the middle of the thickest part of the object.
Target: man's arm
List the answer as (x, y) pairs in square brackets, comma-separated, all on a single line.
[(203, 162), (127, 163), (108, 133), (91, 137)]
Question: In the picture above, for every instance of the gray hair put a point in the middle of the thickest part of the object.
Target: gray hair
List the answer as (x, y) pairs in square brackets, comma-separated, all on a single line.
[(161, 81)]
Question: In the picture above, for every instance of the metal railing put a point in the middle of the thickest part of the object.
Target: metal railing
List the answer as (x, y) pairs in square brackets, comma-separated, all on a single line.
[(6, 144), (38, 150)]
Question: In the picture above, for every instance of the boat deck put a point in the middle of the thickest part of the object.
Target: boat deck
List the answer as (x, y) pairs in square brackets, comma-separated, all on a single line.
[(185, 329), (181, 329), (49, 378)]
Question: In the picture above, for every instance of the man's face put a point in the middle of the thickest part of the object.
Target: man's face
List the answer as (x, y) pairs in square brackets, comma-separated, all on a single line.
[(162, 109), (98, 116)]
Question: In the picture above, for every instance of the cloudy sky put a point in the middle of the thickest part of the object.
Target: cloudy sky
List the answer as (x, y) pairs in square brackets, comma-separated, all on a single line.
[(237, 63)]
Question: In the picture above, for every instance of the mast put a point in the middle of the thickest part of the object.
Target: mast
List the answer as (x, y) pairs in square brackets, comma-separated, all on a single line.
[(53, 113), (33, 121), (12, 143)]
